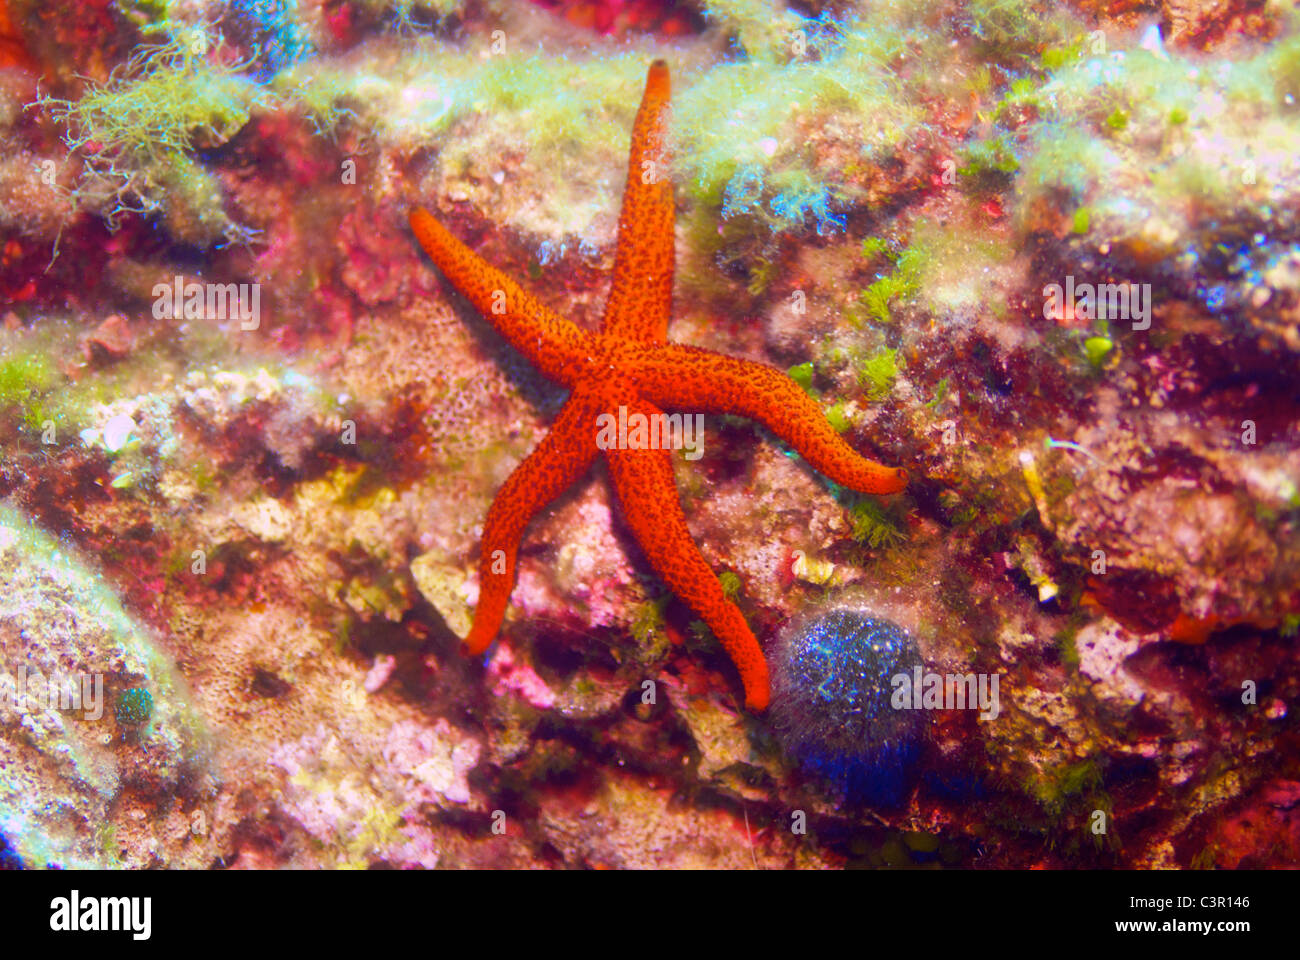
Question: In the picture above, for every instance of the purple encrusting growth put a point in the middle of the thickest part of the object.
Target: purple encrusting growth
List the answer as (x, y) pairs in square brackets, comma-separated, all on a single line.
[(831, 705), (9, 859)]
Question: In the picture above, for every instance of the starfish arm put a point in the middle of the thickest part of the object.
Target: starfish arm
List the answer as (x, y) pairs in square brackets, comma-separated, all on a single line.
[(563, 455), (691, 378), (554, 345), (640, 298), (643, 483)]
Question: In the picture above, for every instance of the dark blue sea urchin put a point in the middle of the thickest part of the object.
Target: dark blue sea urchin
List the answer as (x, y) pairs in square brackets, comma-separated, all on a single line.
[(831, 701)]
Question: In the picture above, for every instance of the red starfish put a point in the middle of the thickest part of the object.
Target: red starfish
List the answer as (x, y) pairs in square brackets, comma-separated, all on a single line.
[(630, 364)]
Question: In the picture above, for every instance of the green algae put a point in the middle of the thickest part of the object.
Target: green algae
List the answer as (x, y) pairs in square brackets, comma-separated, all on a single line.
[(730, 584), (647, 626), (23, 375), (873, 247), (764, 30), (802, 374), (876, 298), (166, 99), (1070, 784), (941, 390), (878, 373), (757, 163), (136, 133), (1172, 126), (838, 418), (1066, 648), (989, 164), (760, 278), (901, 282), (875, 526), (1097, 349), (1013, 31), (25, 379), (1056, 56)]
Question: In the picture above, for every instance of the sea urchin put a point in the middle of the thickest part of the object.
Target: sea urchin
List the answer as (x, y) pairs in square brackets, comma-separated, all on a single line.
[(831, 701)]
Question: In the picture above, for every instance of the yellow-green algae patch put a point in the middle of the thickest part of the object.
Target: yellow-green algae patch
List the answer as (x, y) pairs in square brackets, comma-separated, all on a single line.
[(136, 133)]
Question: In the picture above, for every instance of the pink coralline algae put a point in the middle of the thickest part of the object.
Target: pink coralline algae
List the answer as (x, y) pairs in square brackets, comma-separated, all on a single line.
[(508, 676)]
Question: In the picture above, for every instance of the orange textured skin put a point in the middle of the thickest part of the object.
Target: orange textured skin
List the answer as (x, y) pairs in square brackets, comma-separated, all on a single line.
[(630, 363), (641, 294), (554, 345), (643, 483)]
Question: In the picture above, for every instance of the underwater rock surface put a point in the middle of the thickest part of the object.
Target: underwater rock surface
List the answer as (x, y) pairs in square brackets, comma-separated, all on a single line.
[(1044, 257), (70, 754)]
